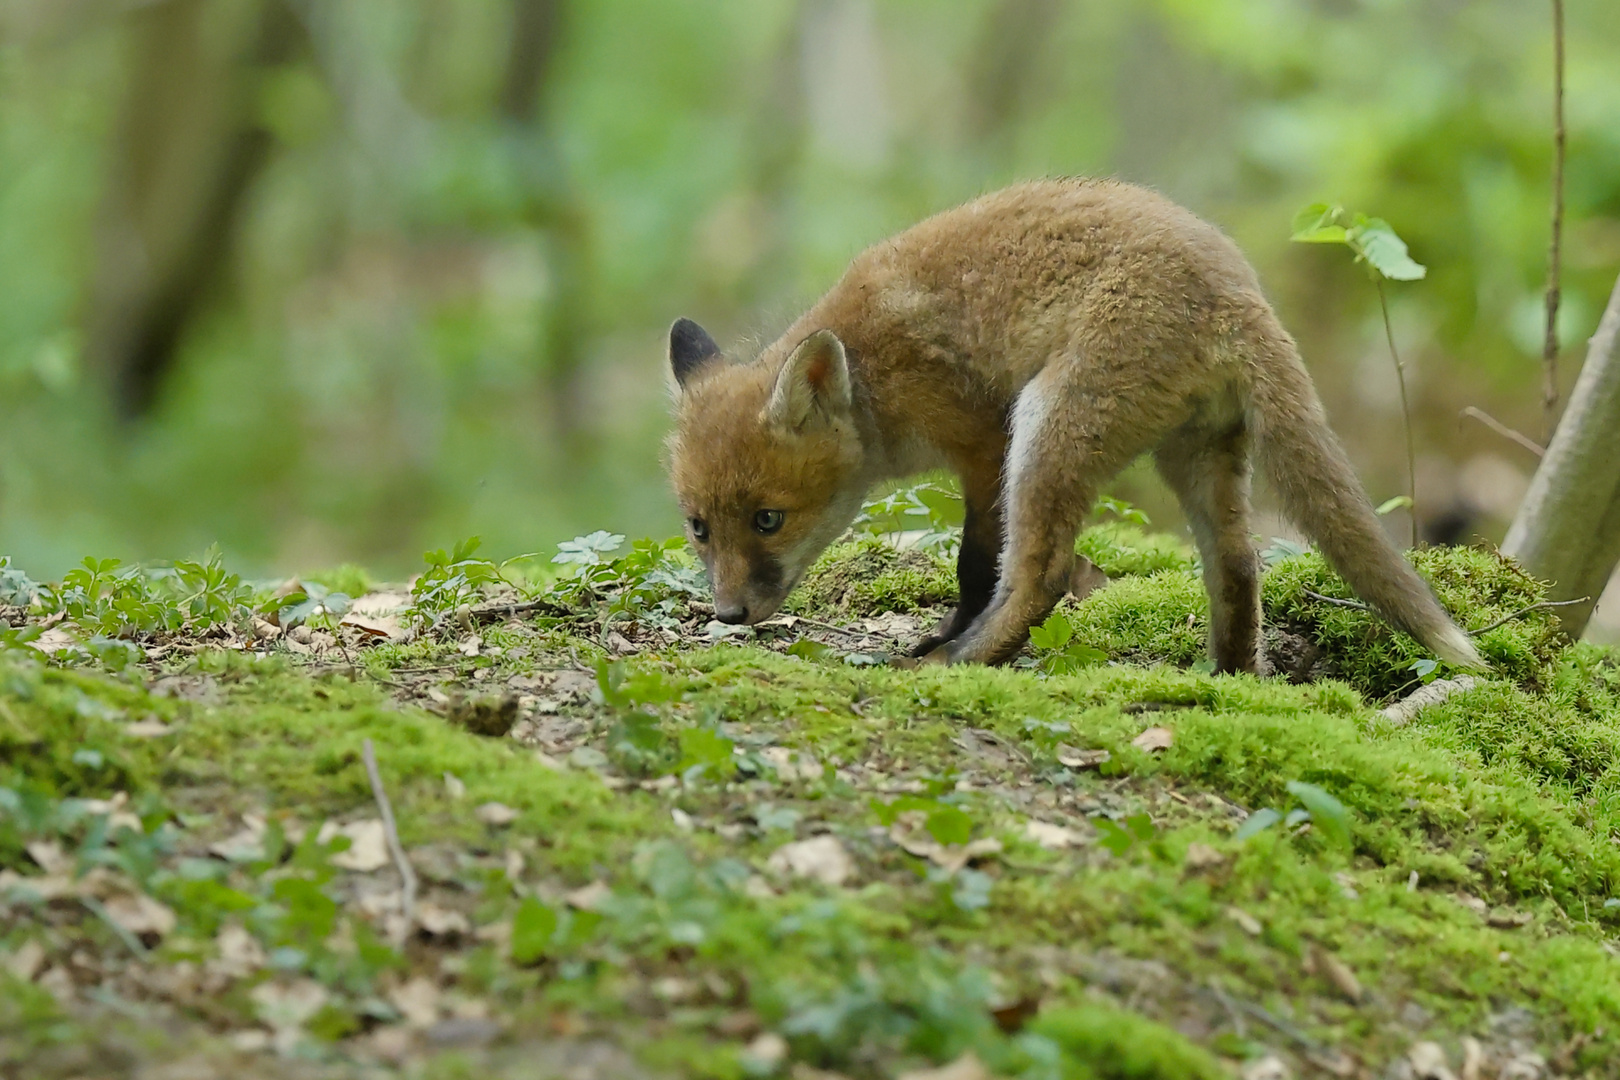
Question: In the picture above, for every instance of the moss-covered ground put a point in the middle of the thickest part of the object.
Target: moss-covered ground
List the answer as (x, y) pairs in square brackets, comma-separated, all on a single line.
[(696, 852)]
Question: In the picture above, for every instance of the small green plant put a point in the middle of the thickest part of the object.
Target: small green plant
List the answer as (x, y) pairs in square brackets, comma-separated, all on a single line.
[(1375, 245), (1056, 651), (452, 579), (933, 509), (108, 599), (16, 588), (1325, 813)]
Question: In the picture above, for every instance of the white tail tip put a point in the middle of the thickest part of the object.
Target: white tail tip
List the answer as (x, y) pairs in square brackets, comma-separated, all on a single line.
[(1457, 649)]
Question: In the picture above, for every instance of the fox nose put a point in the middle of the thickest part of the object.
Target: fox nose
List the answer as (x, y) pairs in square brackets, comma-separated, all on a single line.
[(732, 615)]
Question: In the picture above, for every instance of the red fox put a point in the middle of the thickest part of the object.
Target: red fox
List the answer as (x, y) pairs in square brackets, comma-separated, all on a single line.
[(1033, 341)]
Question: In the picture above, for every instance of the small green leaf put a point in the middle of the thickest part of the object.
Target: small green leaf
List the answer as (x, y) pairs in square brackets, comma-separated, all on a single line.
[(1327, 813), (1114, 838), (1257, 823), (1389, 506), (1054, 633), (1384, 251), (1318, 224), (949, 825), (806, 649), (708, 750), (532, 928)]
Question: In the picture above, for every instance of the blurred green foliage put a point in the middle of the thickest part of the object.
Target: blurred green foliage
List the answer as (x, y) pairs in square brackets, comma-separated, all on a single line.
[(443, 305)]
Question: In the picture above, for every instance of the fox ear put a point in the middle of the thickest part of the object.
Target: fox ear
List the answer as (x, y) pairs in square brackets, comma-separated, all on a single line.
[(690, 347), (813, 385)]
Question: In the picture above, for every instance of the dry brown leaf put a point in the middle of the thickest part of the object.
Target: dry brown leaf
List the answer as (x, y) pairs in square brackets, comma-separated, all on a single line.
[(792, 765), (820, 858), (470, 646), (26, 961), (496, 815), (240, 954), (376, 627), (1428, 1062), (1154, 739), (418, 1001), (1055, 837), (1081, 759), (1202, 857), (148, 729), (368, 844), (1249, 923), (1343, 979), (453, 786), (48, 856), (441, 922), (588, 897), (141, 915), (285, 1006)]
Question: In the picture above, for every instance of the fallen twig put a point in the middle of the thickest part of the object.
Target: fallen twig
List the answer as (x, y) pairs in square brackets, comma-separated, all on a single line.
[(497, 612), (1357, 604), (1503, 430), (407, 876), (1405, 710), (1528, 610)]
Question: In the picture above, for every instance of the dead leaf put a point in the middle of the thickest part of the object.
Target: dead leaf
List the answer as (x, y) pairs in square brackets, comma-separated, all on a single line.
[(265, 630), (1249, 923), (376, 627), (368, 844), (909, 833), (470, 646), (417, 1001), (1270, 1067), (1473, 1059), (1081, 759), (385, 602), (1055, 837), (147, 729), (146, 918), (1154, 739), (966, 1067), (441, 922), (26, 961), (1507, 919), (453, 786), (245, 845), (496, 815), (1343, 979), (239, 952), (48, 856), (286, 1006), (55, 640), (820, 858), (791, 765), (1428, 1062), (1202, 857), (588, 897), (768, 1049)]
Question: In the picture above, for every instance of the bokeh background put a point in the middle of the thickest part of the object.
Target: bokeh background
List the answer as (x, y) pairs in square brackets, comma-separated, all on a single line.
[(328, 280)]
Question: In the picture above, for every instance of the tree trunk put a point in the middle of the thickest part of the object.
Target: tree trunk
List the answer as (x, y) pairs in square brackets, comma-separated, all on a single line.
[(1567, 530), (187, 150)]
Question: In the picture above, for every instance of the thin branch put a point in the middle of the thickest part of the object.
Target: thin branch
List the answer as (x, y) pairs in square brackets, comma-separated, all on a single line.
[(1528, 610), (1549, 348), (1406, 408), (407, 876), (497, 612), (1401, 712), (1357, 604), (1503, 430)]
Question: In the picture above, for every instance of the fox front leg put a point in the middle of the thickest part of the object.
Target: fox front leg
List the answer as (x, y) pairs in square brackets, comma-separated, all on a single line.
[(978, 561)]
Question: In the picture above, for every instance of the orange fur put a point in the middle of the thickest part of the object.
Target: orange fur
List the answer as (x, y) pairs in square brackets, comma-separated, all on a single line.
[(1034, 341)]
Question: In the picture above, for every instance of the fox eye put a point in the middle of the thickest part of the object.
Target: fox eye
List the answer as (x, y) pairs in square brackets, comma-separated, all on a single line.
[(700, 529), (768, 521)]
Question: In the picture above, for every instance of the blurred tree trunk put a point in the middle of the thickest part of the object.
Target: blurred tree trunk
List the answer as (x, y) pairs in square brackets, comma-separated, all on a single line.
[(1006, 65), (553, 206), (186, 150), (1567, 530)]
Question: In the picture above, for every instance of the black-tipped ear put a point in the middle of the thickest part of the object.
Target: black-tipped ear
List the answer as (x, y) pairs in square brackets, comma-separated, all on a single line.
[(690, 347)]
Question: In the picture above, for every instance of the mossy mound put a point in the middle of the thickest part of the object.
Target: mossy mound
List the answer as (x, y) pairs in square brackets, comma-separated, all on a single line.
[(1478, 587), (1162, 617), (1120, 549), (867, 577)]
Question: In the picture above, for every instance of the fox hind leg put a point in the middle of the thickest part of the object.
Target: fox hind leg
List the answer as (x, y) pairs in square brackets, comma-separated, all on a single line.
[(1208, 468)]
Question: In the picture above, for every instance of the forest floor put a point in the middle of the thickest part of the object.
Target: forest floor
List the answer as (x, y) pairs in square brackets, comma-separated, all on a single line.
[(634, 843)]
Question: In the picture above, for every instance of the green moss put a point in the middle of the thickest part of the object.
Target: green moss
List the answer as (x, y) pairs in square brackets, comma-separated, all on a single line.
[(1158, 618), (1112, 1044), (1478, 587), (1120, 549), (863, 578)]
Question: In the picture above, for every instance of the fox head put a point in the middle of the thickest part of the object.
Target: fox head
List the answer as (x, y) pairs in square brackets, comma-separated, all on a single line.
[(766, 461)]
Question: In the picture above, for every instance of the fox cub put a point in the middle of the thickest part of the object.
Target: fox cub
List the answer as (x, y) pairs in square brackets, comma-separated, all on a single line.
[(1034, 341)]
